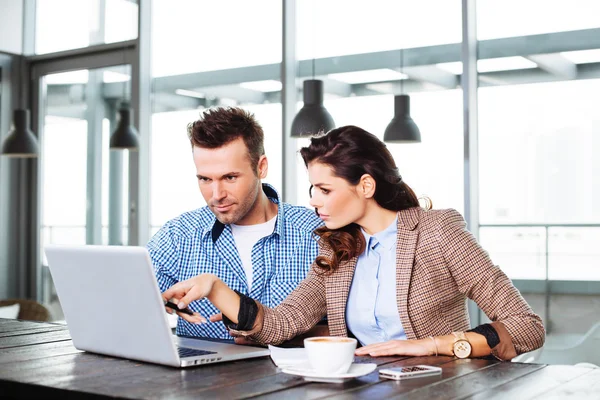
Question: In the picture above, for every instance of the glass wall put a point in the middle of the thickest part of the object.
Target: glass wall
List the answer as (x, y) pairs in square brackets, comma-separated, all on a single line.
[(66, 178), (201, 35), (79, 114), (538, 132), (365, 97), (539, 77), (499, 19), (215, 57), (71, 24)]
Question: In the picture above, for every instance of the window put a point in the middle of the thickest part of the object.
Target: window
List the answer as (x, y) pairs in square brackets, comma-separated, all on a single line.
[(189, 37), (365, 97), (70, 24), (509, 18), (537, 167), (341, 27), (64, 181), (432, 168), (193, 36), (537, 161)]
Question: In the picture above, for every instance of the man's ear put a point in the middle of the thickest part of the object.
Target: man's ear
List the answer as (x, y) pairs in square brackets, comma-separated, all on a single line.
[(366, 186), (263, 167)]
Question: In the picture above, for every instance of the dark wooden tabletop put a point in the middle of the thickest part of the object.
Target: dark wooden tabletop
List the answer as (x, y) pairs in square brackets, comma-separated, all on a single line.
[(38, 360)]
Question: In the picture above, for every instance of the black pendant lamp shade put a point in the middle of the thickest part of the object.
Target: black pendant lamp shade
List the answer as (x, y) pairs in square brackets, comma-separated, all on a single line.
[(402, 128), (312, 117), (125, 137), (21, 142)]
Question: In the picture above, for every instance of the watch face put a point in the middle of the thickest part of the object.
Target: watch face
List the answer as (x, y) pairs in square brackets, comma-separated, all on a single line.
[(462, 349)]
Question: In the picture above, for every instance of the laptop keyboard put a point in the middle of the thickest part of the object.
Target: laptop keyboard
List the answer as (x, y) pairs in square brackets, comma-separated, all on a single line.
[(187, 352)]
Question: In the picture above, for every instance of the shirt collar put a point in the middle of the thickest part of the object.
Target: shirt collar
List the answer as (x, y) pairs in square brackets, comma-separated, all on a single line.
[(272, 195), (387, 237)]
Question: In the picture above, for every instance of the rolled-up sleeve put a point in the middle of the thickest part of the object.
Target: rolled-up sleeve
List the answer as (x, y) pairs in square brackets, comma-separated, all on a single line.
[(485, 283), (298, 313)]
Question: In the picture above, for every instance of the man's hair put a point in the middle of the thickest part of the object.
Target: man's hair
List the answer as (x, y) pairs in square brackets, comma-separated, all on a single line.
[(222, 125)]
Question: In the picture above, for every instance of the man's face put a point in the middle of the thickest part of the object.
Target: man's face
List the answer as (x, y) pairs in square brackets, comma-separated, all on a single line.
[(227, 180)]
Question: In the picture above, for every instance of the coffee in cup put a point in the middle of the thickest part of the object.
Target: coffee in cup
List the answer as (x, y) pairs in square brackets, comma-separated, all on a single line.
[(330, 355)]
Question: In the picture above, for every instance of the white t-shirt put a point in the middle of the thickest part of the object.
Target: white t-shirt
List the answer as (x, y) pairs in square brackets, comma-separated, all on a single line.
[(245, 237)]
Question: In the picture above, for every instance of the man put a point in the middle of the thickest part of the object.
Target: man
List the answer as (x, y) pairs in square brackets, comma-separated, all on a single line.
[(255, 243)]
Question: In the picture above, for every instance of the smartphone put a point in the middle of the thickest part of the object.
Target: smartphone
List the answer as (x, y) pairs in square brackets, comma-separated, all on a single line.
[(174, 307), (415, 371)]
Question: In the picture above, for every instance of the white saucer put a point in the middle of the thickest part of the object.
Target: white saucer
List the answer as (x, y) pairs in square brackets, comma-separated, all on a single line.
[(355, 371)]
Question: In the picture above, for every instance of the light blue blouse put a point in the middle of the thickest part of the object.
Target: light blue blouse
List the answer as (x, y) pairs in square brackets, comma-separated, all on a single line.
[(372, 310)]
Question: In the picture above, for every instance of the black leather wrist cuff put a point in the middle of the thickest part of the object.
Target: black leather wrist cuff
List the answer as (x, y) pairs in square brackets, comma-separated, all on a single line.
[(489, 332), (246, 315)]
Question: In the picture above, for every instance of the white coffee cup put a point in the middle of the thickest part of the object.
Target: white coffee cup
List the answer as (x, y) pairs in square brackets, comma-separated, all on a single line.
[(330, 355)]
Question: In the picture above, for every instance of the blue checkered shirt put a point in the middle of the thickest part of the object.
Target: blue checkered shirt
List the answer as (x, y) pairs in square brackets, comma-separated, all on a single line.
[(196, 242)]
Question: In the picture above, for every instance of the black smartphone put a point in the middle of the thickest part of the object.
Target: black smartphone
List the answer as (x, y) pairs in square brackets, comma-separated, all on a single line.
[(174, 307)]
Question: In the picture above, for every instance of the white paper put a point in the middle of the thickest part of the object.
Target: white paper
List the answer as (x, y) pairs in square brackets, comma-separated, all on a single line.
[(285, 358)]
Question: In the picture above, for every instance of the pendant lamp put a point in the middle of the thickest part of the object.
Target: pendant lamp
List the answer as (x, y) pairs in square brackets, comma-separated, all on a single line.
[(20, 142), (125, 137), (402, 128), (313, 117)]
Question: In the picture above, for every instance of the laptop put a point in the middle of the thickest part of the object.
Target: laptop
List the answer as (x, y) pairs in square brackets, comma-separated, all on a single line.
[(113, 306)]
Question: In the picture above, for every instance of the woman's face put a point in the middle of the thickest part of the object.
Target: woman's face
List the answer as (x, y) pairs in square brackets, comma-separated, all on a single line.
[(336, 200)]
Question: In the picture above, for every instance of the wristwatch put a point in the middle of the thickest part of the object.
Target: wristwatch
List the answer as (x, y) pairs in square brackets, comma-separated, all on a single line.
[(461, 348)]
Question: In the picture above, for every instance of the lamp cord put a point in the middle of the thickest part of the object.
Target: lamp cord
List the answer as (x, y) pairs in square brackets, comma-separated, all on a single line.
[(22, 84), (314, 18), (402, 71), (125, 82)]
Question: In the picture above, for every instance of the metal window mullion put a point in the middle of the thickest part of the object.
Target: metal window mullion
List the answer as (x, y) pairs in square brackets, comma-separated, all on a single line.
[(8, 266), (115, 184), (38, 92), (94, 116), (288, 101), (471, 163), (139, 161)]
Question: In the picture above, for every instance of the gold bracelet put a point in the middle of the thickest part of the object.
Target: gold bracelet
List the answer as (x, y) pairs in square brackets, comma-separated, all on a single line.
[(435, 344)]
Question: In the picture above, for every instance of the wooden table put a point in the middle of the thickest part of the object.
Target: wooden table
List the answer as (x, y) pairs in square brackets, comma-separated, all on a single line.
[(38, 360)]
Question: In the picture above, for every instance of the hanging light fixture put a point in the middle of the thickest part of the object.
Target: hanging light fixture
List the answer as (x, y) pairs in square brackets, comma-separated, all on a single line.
[(20, 142), (313, 117), (402, 128), (125, 137)]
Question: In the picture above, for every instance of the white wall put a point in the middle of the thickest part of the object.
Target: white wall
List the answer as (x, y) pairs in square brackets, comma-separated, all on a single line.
[(11, 26)]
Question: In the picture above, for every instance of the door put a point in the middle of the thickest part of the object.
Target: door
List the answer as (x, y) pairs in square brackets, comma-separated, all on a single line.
[(83, 182)]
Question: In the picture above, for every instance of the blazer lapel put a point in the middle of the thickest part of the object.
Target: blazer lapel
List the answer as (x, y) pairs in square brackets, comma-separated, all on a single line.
[(405, 255), (337, 287)]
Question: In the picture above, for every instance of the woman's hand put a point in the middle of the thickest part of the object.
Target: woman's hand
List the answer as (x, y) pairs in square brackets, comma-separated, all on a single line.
[(184, 292), (422, 347)]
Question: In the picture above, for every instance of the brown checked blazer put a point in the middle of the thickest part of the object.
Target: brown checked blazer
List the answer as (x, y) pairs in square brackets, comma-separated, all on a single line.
[(439, 264)]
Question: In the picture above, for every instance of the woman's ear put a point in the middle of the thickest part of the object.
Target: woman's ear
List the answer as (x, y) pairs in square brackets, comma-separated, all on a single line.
[(366, 186)]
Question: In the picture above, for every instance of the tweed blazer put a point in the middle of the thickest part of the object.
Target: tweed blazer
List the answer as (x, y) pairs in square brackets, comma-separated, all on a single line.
[(439, 264)]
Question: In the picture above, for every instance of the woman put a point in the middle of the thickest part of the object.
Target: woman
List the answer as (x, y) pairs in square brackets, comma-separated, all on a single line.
[(390, 273)]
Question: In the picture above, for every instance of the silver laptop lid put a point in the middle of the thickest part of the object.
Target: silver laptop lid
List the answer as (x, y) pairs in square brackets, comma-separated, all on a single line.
[(113, 306), (111, 302)]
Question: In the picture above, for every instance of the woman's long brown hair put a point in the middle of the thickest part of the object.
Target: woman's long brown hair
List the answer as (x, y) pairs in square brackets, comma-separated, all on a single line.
[(352, 152)]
